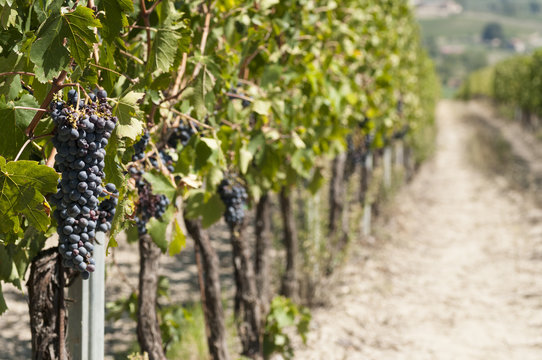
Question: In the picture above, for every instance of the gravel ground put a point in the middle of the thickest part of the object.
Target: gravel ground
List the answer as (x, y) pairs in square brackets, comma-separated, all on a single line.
[(453, 273)]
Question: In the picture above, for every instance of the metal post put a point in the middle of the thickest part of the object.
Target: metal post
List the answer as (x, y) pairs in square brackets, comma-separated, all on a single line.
[(86, 310), (387, 166), (399, 154), (366, 221), (77, 306), (97, 301)]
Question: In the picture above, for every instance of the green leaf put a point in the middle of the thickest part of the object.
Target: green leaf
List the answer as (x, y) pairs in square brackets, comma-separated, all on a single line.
[(77, 29), (208, 206), (198, 91), (207, 152), (115, 19), (245, 157), (119, 220), (179, 240), (271, 75), (164, 49), (12, 123), (23, 185), (129, 115), (160, 183), (262, 107), (157, 229), (48, 52)]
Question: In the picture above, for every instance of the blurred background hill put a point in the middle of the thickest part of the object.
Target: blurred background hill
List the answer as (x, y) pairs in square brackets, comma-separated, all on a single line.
[(466, 35)]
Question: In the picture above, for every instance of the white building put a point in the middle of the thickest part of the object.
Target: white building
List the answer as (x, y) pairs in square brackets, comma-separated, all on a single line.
[(435, 9)]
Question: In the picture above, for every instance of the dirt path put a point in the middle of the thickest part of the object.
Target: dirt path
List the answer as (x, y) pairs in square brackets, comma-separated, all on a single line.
[(454, 275)]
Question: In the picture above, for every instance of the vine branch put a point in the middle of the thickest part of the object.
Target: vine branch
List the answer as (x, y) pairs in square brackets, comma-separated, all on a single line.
[(9, 73), (57, 85)]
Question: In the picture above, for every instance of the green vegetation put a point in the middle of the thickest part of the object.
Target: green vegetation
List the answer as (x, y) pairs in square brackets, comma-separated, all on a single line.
[(263, 93)]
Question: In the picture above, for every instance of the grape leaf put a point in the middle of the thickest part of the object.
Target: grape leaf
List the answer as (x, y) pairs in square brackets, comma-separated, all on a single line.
[(209, 207), (160, 183), (47, 52), (119, 220), (245, 157), (13, 122), (171, 38), (179, 240), (164, 49), (22, 188), (77, 29), (157, 229), (115, 19), (128, 112)]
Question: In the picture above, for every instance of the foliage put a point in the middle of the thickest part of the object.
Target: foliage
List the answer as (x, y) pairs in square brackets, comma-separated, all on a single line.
[(515, 82), (283, 315), (275, 87)]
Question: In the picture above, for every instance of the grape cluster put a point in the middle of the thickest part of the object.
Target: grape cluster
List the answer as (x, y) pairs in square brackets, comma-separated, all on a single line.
[(81, 134), (165, 158), (182, 134), (234, 196), (149, 205), (140, 147)]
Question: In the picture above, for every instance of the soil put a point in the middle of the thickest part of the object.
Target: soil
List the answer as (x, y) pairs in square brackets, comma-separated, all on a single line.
[(453, 272)]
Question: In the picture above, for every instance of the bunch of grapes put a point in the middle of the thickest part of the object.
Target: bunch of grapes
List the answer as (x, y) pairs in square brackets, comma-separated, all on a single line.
[(165, 158), (182, 134), (140, 147), (149, 205), (234, 196), (81, 134)]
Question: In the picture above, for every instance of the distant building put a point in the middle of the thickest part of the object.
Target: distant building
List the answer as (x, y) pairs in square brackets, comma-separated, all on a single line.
[(518, 45), (432, 9), (452, 49)]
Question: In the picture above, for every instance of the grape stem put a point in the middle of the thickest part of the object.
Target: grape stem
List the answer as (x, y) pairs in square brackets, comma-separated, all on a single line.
[(133, 57), (188, 117), (30, 108), (133, 81), (77, 85), (110, 194), (28, 141), (9, 73), (22, 149), (237, 96), (51, 159), (203, 43), (57, 85)]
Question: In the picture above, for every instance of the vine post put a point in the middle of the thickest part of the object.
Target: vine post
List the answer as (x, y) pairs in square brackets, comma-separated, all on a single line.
[(366, 175)]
